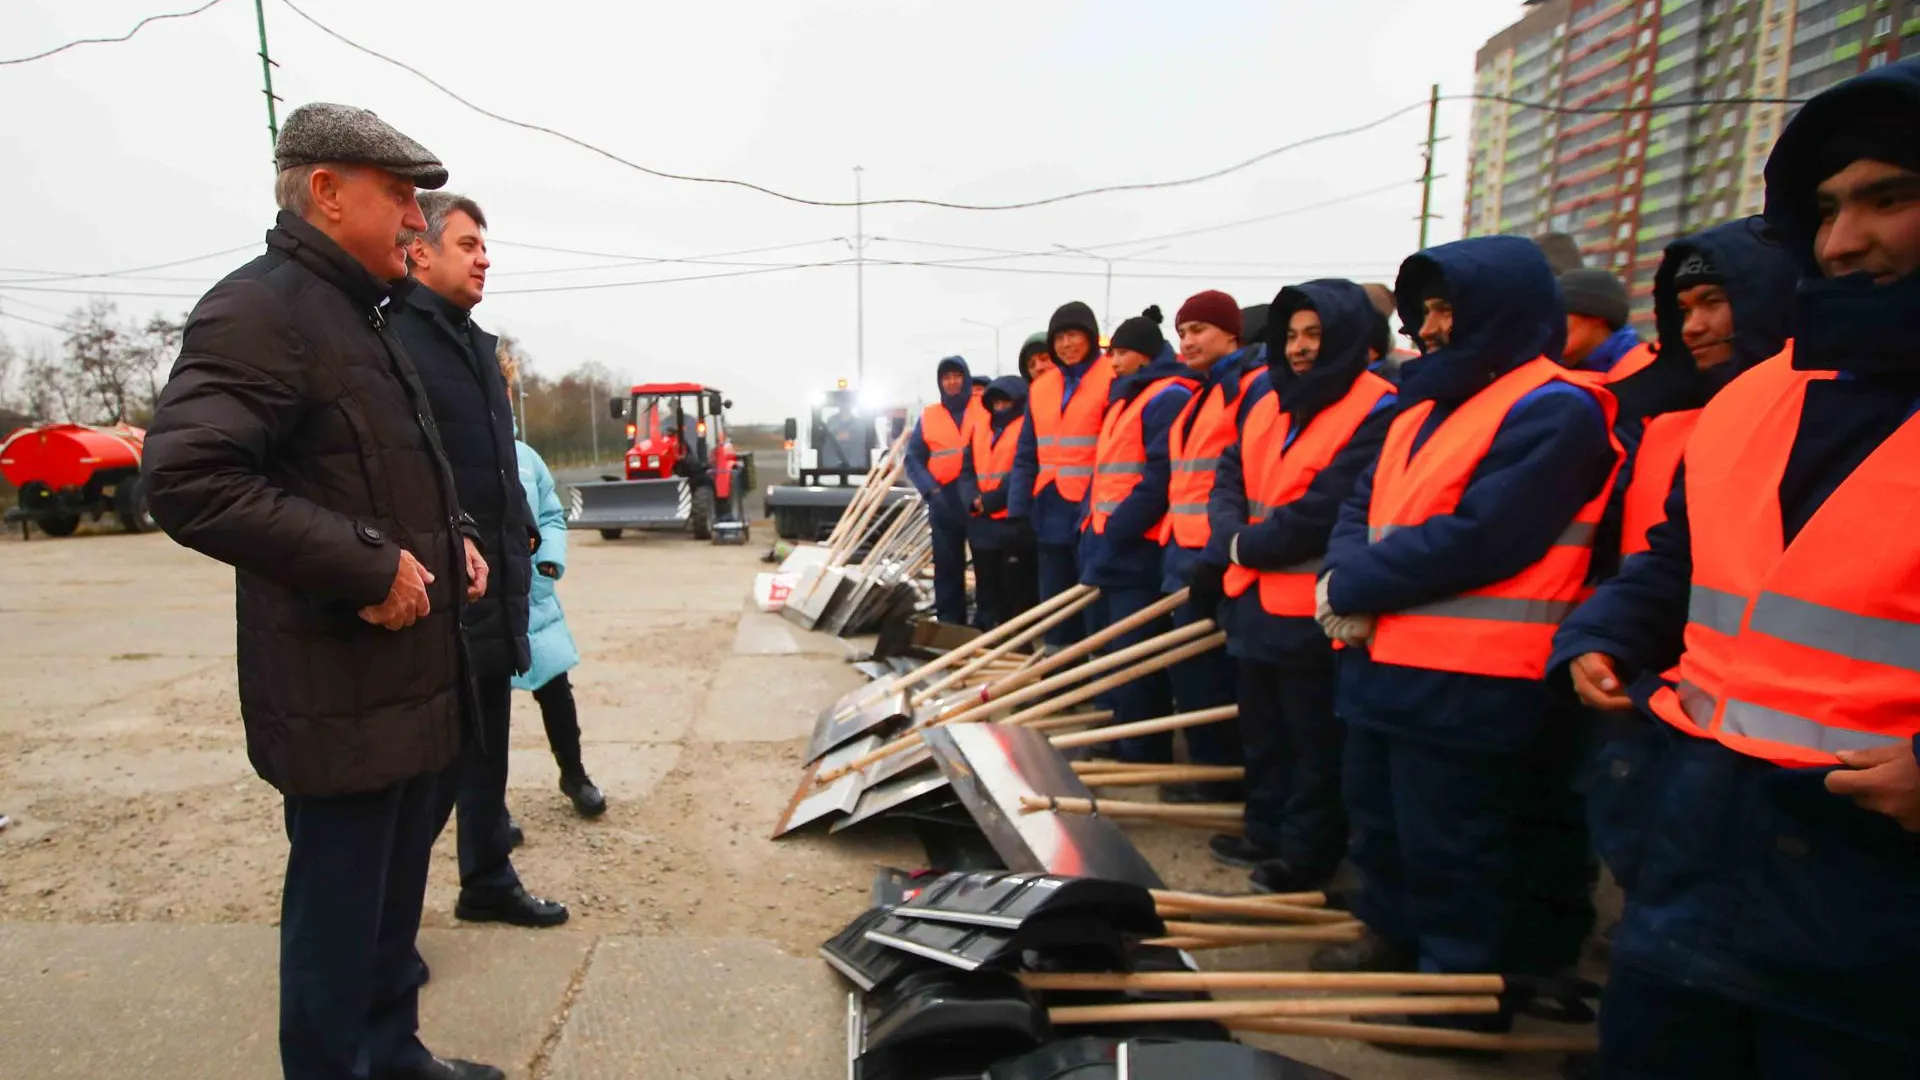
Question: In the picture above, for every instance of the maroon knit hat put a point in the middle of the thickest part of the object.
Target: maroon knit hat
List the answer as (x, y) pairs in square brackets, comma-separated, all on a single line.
[(1212, 307)]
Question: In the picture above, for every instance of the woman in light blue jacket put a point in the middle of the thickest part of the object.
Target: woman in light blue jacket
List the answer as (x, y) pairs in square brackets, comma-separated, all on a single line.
[(554, 653)]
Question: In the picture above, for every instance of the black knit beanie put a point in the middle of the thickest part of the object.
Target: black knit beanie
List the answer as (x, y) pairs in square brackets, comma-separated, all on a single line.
[(1142, 333)]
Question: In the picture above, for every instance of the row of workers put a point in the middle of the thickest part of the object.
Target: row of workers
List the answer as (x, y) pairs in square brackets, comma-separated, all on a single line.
[(1420, 589)]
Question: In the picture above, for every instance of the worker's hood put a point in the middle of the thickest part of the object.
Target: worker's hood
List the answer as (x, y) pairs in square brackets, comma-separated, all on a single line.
[(1848, 323), (1507, 311), (1347, 319), (955, 403), (1014, 389)]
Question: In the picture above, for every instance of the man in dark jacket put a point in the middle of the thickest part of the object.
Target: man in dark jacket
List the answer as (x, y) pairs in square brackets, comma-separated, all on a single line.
[(462, 378), (934, 459), (1119, 545), (1599, 339), (1456, 739), (1768, 853), (1320, 345), (293, 443), (1004, 574)]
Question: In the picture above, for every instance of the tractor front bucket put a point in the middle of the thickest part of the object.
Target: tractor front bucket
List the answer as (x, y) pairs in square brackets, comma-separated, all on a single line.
[(630, 504)]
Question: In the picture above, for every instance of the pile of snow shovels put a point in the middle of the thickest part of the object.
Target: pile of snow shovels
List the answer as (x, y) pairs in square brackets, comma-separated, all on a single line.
[(1017, 976), (870, 564)]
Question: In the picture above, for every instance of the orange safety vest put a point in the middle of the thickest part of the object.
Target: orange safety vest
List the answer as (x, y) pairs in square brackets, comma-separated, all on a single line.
[(946, 441), (1654, 466), (1193, 453), (993, 458), (1796, 651), (1274, 474), (1066, 439), (1504, 629), (1636, 361), (1121, 461)]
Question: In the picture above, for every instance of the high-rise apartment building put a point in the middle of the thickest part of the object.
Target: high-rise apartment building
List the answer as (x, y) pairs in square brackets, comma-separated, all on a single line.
[(1625, 181)]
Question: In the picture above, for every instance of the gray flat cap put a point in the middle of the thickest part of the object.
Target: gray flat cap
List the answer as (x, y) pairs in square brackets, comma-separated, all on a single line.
[(321, 131)]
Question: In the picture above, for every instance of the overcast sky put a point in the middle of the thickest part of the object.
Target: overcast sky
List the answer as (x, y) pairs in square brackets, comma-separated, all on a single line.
[(127, 155)]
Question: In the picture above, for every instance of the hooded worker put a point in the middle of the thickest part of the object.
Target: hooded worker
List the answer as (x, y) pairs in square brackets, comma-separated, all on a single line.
[(1034, 356), (1210, 325), (1053, 466), (1309, 423), (1127, 507), (1004, 574), (1759, 655), (1599, 338), (1451, 564), (934, 452)]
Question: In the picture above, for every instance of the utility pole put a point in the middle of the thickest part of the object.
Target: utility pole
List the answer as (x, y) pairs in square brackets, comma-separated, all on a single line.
[(859, 283), (996, 341), (266, 72), (593, 416), (1427, 177)]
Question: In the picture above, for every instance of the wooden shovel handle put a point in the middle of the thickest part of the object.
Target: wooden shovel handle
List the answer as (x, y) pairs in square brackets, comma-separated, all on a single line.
[(1089, 645), (1053, 619), (1363, 982), (1139, 652), (1413, 1035), (1162, 774), (1094, 689), (1071, 720), (1145, 727), (1228, 1010), (1246, 909), (1332, 932), (1118, 808)]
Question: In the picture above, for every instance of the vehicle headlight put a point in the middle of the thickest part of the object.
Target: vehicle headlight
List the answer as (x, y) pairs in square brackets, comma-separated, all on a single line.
[(653, 461)]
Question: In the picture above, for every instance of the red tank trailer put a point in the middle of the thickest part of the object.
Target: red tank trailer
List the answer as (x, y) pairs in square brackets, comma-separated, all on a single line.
[(66, 472)]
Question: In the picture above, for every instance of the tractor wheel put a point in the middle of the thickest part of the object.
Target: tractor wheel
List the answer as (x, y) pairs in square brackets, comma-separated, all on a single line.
[(130, 506), (60, 525), (700, 516), (610, 534)]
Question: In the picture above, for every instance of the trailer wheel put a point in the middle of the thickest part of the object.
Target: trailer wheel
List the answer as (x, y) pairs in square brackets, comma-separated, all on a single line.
[(130, 506), (60, 524), (786, 523), (611, 534), (700, 515)]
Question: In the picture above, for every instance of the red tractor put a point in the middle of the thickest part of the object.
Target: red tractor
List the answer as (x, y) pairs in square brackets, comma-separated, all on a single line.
[(66, 472), (682, 471)]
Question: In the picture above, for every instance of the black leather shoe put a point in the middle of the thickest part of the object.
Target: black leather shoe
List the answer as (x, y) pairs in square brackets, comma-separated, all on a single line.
[(449, 1069), (587, 800), (1281, 876), (515, 837), (516, 906), (1371, 953), (1238, 851)]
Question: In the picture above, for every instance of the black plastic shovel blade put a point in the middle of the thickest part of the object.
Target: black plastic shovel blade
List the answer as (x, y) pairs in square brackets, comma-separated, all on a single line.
[(867, 964), (1010, 901), (1144, 1060)]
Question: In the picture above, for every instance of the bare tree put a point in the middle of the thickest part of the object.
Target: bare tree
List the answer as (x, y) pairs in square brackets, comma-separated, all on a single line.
[(10, 364), (106, 358), (50, 389)]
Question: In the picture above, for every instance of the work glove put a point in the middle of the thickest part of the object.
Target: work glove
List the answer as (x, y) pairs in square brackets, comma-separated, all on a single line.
[(1206, 591)]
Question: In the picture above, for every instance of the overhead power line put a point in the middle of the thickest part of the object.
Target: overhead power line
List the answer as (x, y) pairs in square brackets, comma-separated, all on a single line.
[(10, 315), (718, 258), (112, 40), (60, 275)]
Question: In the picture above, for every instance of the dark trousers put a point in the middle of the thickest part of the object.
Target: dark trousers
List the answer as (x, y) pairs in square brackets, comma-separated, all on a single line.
[(349, 912), (1144, 698), (950, 573), (1293, 744), (1653, 1029), (478, 786), (1005, 583), (561, 718), (1451, 863), (1204, 682), (1059, 570)]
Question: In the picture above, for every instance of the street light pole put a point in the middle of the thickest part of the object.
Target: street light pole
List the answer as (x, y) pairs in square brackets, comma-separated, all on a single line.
[(859, 283), (1107, 313), (996, 341)]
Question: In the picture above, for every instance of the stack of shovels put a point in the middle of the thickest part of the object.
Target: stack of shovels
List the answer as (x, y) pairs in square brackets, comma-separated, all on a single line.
[(880, 547), (1006, 976)]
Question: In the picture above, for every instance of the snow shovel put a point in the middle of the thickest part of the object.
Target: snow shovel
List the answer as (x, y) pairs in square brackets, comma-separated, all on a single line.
[(1110, 1058), (1011, 901), (854, 712), (935, 1028), (810, 803), (991, 766), (869, 965)]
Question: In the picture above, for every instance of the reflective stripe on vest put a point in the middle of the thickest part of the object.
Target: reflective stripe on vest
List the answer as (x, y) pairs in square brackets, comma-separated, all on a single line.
[(1066, 437), (946, 440), (1654, 466), (1795, 652), (1637, 360), (993, 456), (1504, 629), (1275, 472), (1205, 427), (1122, 457)]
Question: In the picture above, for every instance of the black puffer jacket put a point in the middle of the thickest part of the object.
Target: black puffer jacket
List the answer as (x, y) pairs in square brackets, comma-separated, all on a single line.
[(457, 368), (292, 442)]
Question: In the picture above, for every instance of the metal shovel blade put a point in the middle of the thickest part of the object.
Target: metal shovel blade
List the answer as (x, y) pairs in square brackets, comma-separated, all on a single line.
[(835, 728), (811, 803), (892, 795), (992, 766)]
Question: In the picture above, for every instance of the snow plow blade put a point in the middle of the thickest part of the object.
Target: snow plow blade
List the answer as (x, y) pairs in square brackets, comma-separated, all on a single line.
[(630, 504)]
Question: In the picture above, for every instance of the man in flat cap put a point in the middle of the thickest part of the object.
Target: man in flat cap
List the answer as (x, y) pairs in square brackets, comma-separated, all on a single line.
[(293, 442)]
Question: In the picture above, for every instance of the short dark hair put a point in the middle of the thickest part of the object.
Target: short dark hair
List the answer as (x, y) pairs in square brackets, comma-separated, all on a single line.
[(435, 206)]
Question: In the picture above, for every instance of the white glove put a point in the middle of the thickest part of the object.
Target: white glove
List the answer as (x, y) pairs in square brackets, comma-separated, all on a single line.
[(1321, 609)]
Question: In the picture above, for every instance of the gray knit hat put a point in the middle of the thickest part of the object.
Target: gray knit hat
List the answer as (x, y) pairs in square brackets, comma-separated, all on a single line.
[(321, 132), (1597, 293)]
